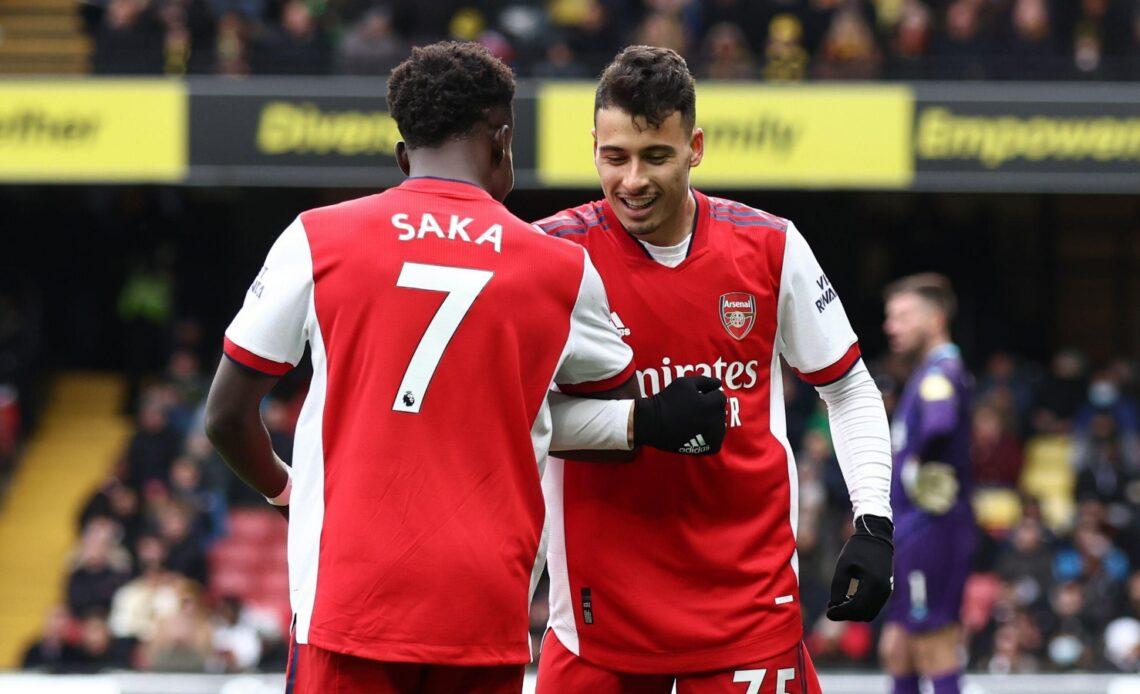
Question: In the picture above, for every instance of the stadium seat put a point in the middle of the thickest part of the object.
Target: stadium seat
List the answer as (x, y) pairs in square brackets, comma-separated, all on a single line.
[(250, 562), (981, 592), (230, 554), (996, 509), (1048, 475), (256, 525), (42, 37), (272, 582), (236, 581), (278, 553)]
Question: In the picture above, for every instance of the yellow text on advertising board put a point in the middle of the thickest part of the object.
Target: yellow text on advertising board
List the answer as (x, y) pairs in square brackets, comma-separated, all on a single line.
[(996, 140), (286, 127)]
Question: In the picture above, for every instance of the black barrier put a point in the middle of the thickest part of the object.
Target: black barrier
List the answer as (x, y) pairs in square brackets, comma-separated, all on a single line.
[(1038, 138), (309, 132)]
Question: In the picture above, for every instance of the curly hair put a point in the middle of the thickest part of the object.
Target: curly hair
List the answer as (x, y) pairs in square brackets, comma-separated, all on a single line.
[(649, 82), (445, 89)]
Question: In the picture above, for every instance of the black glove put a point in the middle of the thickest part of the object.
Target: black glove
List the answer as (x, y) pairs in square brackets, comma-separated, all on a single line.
[(868, 558), (687, 417)]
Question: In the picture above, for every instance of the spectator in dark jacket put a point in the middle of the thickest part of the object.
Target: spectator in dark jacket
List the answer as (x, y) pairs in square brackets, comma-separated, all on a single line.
[(994, 450), (154, 446), (1033, 51), (1061, 394), (98, 650), (372, 46), (130, 40), (1026, 565), (1009, 386), (53, 649), (1108, 474), (560, 62), (296, 47), (101, 567), (118, 503), (187, 553), (207, 506)]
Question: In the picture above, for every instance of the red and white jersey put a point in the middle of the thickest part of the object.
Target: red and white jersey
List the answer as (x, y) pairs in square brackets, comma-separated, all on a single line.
[(681, 564), (437, 322)]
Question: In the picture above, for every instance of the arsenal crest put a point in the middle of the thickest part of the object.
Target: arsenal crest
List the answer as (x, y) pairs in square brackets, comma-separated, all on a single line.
[(738, 313)]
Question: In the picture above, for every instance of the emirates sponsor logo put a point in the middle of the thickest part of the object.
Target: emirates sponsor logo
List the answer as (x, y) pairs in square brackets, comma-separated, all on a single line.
[(738, 313), (736, 375)]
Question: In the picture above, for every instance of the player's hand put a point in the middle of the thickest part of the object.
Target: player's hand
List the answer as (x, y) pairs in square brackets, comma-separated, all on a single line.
[(932, 487), (867, 561), (687, 417)]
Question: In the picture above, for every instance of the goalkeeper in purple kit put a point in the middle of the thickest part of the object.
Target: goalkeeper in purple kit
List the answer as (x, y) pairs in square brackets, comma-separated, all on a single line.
[(935, 533)]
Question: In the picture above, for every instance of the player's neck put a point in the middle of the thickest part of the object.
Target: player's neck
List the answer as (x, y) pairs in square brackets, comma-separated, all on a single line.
[(934, 345), (452, 163), (675, 230)]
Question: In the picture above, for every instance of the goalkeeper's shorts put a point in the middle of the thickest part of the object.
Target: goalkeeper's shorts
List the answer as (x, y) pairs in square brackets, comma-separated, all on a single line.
[(932, 562)]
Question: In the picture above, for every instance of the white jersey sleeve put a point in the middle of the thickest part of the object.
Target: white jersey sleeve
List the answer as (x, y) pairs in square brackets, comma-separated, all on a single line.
[(595, 357), (862, 440), (589, 424), (813, 332), (269, 332)]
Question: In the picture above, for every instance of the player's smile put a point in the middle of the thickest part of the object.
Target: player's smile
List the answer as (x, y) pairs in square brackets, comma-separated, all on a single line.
[(638, 206)]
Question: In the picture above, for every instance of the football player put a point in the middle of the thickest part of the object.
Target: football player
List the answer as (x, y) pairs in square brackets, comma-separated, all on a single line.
[(436, 323), (668, 573), (930, 490)]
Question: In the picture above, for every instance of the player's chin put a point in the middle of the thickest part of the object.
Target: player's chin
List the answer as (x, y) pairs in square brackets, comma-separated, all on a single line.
[(639, 229), (638, 225), (904, 349)]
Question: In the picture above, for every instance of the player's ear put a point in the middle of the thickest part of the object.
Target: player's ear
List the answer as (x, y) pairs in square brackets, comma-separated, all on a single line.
[(402, 158), (501, 143), (697, 145)]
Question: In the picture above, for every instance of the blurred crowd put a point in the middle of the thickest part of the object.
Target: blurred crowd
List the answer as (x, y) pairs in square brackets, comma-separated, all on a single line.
[(19, 365), (1056, 457), (164, 577), (781, 40), (143, 590)]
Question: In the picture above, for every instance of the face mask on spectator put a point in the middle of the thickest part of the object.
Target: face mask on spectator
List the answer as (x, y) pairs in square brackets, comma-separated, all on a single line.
[(1103, 394), (1065, 650)]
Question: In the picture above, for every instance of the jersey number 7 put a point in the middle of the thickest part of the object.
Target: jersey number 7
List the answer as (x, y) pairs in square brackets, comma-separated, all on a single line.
[(462, 286)]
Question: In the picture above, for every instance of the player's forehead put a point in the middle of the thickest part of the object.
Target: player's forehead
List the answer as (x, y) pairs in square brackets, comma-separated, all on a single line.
[(618, 129)]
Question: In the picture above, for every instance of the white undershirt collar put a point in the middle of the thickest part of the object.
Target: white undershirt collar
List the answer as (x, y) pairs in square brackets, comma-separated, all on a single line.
[(669, 256)]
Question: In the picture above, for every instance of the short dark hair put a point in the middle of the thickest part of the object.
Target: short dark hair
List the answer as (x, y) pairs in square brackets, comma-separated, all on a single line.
[(930, 286), (445, 89), (649, 82)]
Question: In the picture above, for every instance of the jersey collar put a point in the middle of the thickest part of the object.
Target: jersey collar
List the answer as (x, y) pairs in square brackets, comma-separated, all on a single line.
[(946, 350), (448, 187)]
